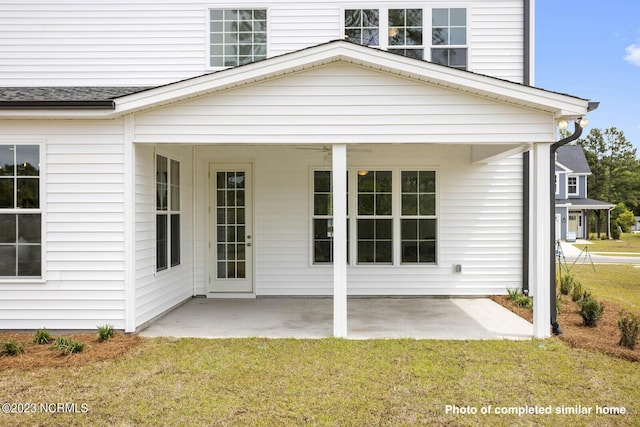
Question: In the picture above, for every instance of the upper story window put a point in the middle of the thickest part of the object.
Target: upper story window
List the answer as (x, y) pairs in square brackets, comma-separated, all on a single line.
[(449, 34), (237, 36), (362, 26), (406, 32), (20, 214), (572, 185)]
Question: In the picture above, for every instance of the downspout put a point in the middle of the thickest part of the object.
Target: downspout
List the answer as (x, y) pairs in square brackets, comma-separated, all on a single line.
[(578, 126), (526, 185)]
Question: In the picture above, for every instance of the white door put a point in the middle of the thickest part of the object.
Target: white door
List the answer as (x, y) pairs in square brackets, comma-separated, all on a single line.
[(231, 220)]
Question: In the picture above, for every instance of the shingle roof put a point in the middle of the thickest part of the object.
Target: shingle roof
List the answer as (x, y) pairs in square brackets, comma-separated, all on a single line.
[(572, 157), (64, 96), (585, 203)]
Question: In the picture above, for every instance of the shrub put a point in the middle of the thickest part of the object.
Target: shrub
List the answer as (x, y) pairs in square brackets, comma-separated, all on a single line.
[(11, 348), (42, 336), (566, 284), (628, 325), (558, 303), (519, 299), (577, 293), (67, 345), (591, 311), (105, 332)]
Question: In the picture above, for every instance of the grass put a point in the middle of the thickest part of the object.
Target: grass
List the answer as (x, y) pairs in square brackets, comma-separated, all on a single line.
[(260, 382), (630, 242), (619, 283)]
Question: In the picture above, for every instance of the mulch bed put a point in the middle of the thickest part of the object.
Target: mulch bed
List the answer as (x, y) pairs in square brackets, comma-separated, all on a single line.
[(39, 356), (604, 338)]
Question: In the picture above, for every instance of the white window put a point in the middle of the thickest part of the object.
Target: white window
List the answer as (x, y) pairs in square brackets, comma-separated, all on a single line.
[(407, 32), (167, 213), (380, 208), (572, 184), (418, 217), (237, 36), (323, 218), (20, 214), (375, 217), (449, 37)]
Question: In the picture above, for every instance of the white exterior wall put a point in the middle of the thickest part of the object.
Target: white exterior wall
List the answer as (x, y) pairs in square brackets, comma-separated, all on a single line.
[(479, 217), (154, 42), (155, 293), (345, 103), (83, 236)]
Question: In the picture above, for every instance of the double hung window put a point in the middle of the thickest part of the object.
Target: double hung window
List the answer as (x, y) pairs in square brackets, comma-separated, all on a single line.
[(406, 32), (167, 213), (395, 219), (323, 218), (237, 36), (20, 214), (572, 183), (449, 37)]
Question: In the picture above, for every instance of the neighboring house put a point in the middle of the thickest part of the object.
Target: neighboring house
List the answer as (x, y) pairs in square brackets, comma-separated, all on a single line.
[(573, 207), (153, 151), (636, 224)]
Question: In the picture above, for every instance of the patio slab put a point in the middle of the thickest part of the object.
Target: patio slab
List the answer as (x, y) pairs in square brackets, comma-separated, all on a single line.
[(418, 318)]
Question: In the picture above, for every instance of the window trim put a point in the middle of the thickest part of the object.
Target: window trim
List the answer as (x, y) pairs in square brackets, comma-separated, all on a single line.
[(229, 6), (40, 210), (569, 192), (168, 213), (352, 251), (427, 15)]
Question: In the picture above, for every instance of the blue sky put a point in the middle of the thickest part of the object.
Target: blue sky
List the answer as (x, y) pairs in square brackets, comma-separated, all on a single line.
[(591, 49)]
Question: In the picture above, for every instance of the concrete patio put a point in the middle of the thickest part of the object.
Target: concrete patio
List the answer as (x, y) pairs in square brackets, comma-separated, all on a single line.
[(419, 318)]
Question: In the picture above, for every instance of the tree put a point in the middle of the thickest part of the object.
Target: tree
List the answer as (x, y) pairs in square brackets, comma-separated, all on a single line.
[(622, 217), (614, 166)]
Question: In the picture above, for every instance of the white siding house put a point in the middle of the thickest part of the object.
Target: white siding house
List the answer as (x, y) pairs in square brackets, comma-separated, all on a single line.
[(160, 176)]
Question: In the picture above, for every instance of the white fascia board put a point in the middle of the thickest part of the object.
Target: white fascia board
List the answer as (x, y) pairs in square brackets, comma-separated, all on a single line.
[(561, 106)]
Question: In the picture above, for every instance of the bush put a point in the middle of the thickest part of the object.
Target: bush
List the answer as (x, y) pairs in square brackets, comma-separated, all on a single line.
[(591, 311), (105, 332), (566, 284), (615, 231), (67, 345), (11, 348), (628, 325), (577, 293), (42, 336), (519, 299)]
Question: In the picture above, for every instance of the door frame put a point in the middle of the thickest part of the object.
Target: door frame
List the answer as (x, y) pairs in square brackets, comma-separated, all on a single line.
[(211, 288)]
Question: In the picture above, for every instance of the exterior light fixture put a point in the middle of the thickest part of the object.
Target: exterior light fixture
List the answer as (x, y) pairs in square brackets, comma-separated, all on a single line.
[(363, 173), (563, 124), (584, 122)]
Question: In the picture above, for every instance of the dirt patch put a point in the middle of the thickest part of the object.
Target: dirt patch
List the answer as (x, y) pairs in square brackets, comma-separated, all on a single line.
[(38, 356), (605, 337)]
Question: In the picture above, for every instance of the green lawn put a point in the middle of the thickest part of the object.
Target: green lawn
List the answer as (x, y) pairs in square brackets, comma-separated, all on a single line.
[(619, 283), (629, 243), (258, 382)]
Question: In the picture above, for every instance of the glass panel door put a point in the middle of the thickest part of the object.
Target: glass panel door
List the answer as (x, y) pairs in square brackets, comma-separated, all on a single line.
[(230, 237)]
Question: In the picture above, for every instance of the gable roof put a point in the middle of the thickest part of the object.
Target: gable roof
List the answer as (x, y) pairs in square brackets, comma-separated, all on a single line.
[(130, 100), (572, 157)]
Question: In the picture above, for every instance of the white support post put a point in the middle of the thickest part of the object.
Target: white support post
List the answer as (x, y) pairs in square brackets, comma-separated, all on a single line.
[(541, 227), (339, 178)]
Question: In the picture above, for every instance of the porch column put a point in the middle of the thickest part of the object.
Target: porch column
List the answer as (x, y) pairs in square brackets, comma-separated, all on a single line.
[(339, 179), (542, 246)]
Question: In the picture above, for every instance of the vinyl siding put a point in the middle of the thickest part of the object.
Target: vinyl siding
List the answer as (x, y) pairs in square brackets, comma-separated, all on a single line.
[(480, 211), (344, 102), (155, 293), (83, 224), (144, 42)]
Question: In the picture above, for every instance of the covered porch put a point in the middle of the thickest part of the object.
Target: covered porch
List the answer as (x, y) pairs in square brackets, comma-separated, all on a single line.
[(369, 318)]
